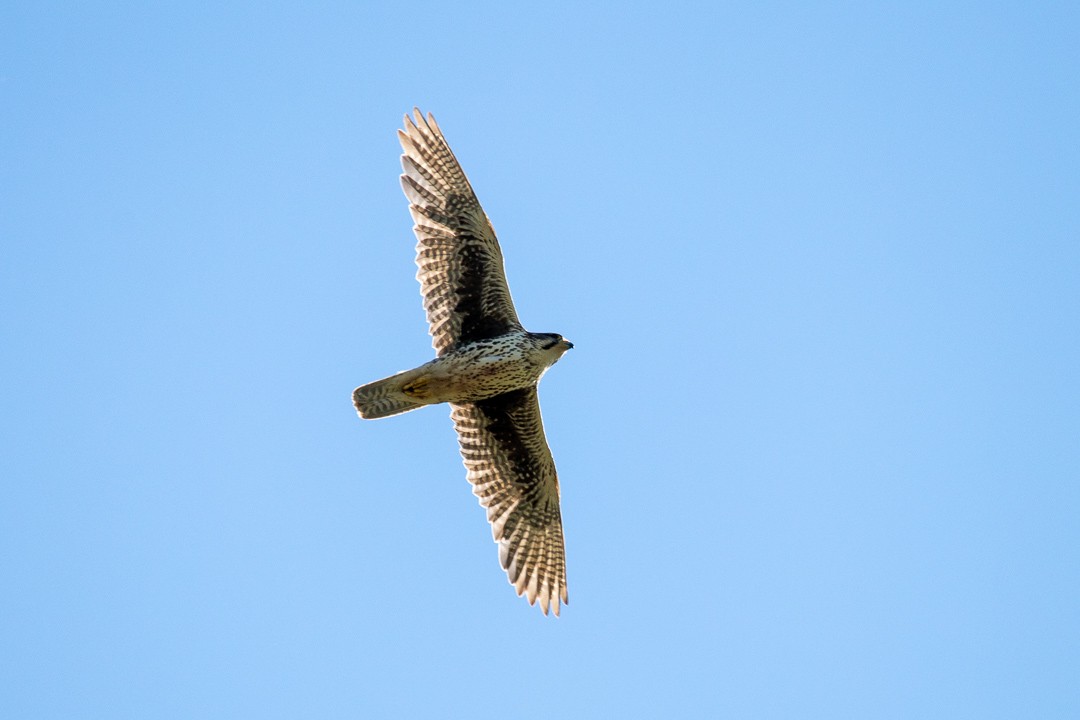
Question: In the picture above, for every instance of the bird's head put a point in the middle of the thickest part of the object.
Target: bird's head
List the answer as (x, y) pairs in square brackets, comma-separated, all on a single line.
[(553, 344)]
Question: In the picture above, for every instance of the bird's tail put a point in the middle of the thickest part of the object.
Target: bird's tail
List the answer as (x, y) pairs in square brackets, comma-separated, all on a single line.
[(388, 396)]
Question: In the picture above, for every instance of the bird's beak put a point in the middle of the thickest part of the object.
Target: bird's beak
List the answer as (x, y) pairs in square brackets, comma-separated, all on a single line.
[(569, 345)]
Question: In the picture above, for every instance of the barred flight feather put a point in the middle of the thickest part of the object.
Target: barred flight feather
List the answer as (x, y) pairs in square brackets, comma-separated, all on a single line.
[(460, 264), (513, 474)]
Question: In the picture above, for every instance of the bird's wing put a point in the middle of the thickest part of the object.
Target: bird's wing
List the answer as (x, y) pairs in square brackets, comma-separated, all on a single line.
[(460, 265), (512, 472)]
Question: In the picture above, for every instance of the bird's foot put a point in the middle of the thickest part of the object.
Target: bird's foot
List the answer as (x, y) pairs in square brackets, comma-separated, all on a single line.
[(417, 388)]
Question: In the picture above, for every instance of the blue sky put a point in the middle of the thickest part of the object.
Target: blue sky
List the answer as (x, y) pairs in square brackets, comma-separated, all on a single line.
[(819, 440)]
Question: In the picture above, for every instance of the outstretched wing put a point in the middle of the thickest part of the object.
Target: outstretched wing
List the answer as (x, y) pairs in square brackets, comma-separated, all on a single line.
[(460, 265), (512, 472)]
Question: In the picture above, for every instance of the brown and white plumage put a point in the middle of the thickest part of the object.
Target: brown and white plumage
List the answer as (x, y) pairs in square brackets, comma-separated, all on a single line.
[(512, 472), (460, 264), (487, 367)]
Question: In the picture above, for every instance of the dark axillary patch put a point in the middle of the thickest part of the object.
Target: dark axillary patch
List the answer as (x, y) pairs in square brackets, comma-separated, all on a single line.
[(501, 412), (476, 270)]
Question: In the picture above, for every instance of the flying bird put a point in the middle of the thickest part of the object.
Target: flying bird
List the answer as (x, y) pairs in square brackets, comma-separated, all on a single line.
[(486, 367)]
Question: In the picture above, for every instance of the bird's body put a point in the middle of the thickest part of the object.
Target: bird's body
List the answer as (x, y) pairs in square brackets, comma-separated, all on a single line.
[(477, 371), (487, 367)]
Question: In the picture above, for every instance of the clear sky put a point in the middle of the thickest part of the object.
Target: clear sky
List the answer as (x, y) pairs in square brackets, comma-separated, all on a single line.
[(818, 441)]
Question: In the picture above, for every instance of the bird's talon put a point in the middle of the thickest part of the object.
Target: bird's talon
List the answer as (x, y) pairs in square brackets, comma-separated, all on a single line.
[(416, 388)]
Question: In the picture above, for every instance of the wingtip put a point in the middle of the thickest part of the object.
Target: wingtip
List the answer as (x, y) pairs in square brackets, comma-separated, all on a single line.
[(417, 119), (433, 125), (551, 605), (412, 125), (546, 596)]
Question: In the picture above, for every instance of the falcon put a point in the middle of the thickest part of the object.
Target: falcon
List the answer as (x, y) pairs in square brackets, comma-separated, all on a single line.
[(487, 367)]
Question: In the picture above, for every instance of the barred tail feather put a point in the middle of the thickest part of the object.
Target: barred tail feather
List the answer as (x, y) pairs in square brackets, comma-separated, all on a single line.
[(385, 397)]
